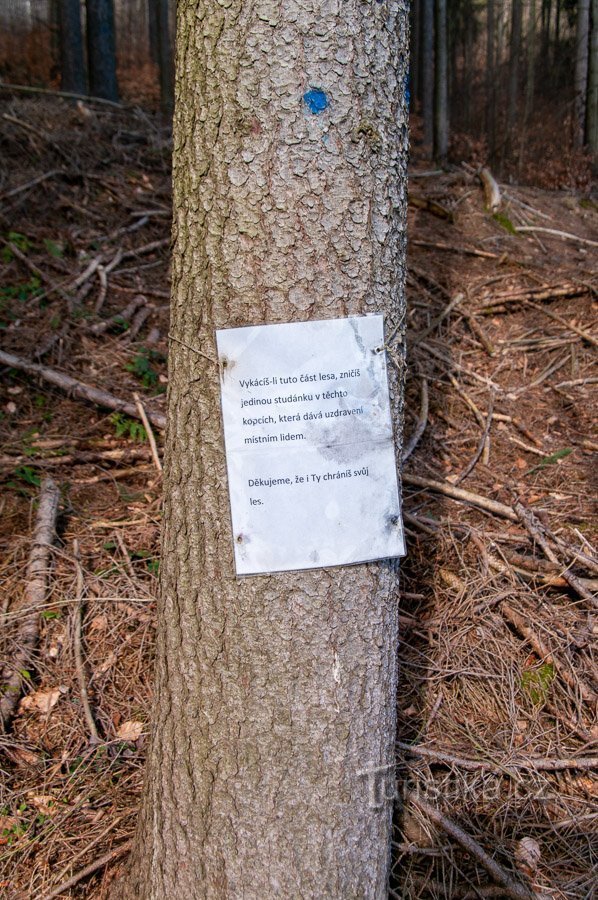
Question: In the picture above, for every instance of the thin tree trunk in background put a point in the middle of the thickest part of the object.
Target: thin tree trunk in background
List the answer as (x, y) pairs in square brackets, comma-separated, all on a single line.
[(415, 68), (557, 32), (152, 24), (592, 114), (468, 68), (490, 80), (165, 62), (514, 58), (530, 79), (72, 57), (582, 40), (428, 70), (101, 49), (441, 85), (273, 693)]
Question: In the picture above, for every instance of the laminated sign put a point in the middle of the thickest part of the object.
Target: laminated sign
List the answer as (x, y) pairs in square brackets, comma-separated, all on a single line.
[(309, 445)]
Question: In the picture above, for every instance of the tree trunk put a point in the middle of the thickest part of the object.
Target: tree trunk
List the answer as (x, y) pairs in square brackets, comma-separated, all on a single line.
[(490, 80), (515, 53), (72, 59), (274, 693), (428, 70), (582, 40), (416, 56), (165, 59), (441, 85), (152, 25), (592, 114), (101, 50)]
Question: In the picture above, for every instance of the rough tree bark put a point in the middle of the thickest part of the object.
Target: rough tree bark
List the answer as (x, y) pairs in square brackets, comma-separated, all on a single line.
[(72, 59), (101, 49), (273, 693)]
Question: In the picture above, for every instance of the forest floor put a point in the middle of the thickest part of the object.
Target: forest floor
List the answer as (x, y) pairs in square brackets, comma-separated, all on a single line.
[(498, 683)]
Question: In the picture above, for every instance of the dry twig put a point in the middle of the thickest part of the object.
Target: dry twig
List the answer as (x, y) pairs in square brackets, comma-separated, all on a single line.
[(91, 725), (150, 434), (78, 388), (33, 598), (511, 887), (455, 493), (421, 423)]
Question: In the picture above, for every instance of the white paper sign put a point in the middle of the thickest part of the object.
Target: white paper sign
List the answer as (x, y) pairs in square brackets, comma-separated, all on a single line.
[(309, 445)]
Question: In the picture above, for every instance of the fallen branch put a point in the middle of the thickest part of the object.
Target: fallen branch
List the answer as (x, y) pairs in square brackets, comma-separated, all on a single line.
[(585, 335), (36, 272), (529, 521), (511, 887), (525, 295), (79, 389), (93, 731), (25, 89), (29, 184), (483, 444), (149, 432), (553, 231), (109, 857), (455, 493), (121, 318), (539, 764), (421, 423), (78, 458), (33, 599), (468, 251), (431, 206)]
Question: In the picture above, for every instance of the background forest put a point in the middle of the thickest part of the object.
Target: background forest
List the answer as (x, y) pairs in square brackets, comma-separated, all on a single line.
[(511, 84), (498, 685)]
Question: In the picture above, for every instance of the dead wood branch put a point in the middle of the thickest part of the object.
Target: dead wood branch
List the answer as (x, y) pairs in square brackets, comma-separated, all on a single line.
[(421, 423), (149, 432), (570, 325), (455, 493), (468, 251), (512, 888), (538, 764), (25, 89), (537, 531), (33, 599), (565, 235), (78, 650), (431, 206), (79, 389), (492, 197), (37, 272), (80, 458), (121, 318), (507, 298), (29, 184), (439, 319), (482, 444), (99, 863), (479, 332)]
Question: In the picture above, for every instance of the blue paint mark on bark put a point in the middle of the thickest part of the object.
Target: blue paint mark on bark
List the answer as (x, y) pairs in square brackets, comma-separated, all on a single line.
[(315, 100)]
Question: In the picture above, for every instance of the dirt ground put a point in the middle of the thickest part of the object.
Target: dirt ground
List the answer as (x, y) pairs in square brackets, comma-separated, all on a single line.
[(496, 754)]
